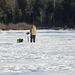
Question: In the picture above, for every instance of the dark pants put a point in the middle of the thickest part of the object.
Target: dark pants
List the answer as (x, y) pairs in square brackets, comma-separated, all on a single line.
[(32, 38)]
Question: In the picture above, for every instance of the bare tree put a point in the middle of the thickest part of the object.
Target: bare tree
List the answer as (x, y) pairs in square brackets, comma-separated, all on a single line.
[(54, 5), (42, 10), (11, 7), (2, 15), (29, 7)]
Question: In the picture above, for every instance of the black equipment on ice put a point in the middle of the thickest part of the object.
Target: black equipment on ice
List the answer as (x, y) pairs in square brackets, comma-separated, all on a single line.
[(27, 33), (19, 40), (27, 36)]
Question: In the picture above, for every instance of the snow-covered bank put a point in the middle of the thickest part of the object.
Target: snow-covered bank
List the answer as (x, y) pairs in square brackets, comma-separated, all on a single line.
[(52, 54)]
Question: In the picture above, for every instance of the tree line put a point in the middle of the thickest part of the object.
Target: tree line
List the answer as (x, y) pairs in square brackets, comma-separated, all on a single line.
[(43, 13)]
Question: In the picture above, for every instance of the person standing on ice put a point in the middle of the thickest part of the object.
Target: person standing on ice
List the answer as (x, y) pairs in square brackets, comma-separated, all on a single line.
[(32, 33)]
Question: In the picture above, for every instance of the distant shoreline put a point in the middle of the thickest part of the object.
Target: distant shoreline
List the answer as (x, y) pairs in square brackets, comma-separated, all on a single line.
[(25, 26)]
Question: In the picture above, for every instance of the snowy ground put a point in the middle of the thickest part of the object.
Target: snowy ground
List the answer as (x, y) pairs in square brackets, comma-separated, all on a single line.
[(52, 54)]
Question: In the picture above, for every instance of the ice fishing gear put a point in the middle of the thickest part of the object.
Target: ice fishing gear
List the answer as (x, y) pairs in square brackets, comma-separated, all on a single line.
[(27, 33), (27, 36), (19, 40)]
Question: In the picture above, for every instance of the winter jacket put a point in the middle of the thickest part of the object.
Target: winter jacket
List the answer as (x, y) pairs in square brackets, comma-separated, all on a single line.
[(33, 30)]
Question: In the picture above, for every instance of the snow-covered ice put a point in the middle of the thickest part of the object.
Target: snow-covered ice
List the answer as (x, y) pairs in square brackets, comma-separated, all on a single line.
[(52, 54)]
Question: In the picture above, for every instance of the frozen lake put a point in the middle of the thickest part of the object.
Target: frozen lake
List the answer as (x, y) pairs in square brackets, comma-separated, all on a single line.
[(52, 54)]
